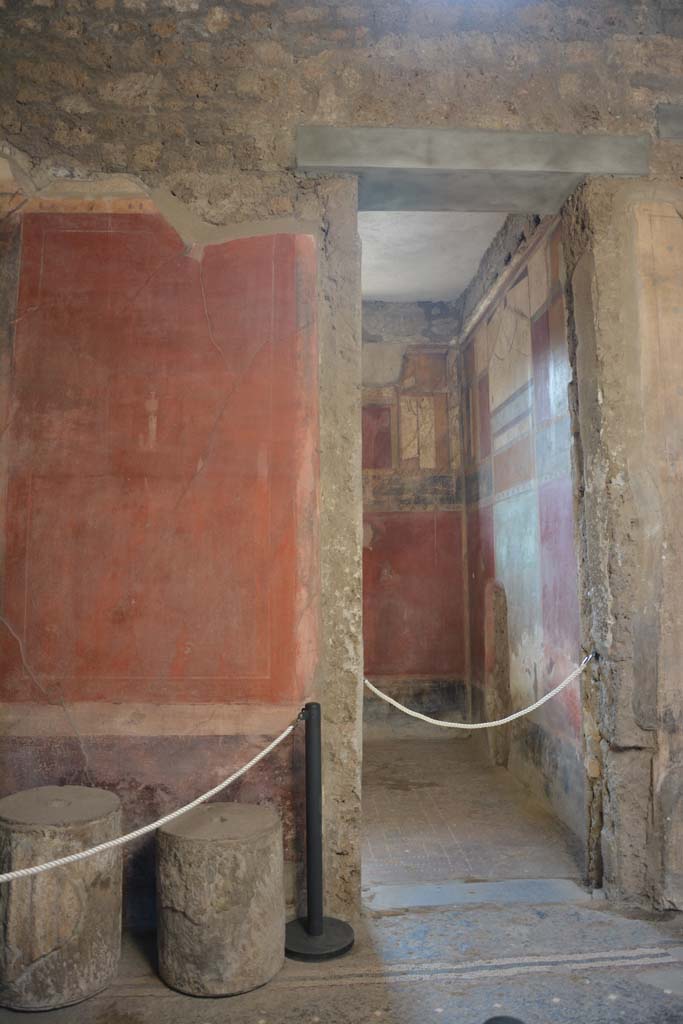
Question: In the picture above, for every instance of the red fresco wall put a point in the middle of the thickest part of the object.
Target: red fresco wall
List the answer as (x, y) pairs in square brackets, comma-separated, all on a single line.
[(159, 541), (521, 517), (481, 564), (413, 595), (413, 585), (160, 513)]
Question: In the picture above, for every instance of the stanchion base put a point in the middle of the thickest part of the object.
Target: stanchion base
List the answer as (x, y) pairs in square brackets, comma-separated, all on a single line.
[(336, 939)]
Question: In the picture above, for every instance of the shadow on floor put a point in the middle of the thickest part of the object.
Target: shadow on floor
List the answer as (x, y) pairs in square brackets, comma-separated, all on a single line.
[(145, 944), (436, 810)]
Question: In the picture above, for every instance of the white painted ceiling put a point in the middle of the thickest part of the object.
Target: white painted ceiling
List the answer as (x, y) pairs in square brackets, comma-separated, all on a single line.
[(417, 257)]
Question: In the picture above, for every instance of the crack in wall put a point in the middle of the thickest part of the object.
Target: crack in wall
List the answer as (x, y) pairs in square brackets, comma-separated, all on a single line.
[(323, 209), (34, 679)]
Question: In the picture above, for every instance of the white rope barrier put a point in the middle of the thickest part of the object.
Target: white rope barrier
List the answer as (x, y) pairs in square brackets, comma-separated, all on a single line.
[(72, 858), (468, 726), (81, 855)]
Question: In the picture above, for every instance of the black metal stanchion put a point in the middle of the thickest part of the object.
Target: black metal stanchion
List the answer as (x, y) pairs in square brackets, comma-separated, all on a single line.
[(315, 937)]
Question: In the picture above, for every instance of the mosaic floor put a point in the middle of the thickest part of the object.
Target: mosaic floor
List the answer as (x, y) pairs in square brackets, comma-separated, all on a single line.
[(436, 810)]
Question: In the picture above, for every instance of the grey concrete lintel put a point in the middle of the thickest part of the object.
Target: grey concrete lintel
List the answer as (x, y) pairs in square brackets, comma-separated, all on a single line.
[(320, 146), (670, 120), (477, 191), (439, 169)]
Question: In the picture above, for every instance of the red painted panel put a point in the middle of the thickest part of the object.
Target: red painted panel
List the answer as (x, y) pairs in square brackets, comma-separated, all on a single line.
[(559, 369), (514, 465), (441, 434), (484, 416), (424, 372), (540, 353), (413, 594), (161, 538), (559, 568), (377, 437), (481, 563), (468, 363), (555, 256)]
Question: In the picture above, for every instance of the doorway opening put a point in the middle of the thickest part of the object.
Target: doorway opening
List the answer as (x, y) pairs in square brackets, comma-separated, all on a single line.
[(469, 505), (470, 566)]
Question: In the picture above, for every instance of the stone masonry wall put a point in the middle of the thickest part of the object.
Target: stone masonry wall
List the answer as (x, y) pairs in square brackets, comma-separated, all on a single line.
[(204, 96), (625, 263)]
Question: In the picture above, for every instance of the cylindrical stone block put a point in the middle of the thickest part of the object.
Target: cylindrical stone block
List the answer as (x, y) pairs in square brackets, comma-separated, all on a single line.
[(220, 899), (61, 928)]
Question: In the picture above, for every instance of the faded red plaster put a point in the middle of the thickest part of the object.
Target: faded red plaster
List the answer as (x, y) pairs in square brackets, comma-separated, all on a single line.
[(377, 444), (514, 465), (561, 629), (481, 563), (412, 594), (484, 417), (525, 532), (414, 618), (162, 510), (541, 357)]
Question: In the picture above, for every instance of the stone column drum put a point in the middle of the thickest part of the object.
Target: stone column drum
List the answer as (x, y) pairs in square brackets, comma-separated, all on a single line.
[(62, 928), (220, 899)]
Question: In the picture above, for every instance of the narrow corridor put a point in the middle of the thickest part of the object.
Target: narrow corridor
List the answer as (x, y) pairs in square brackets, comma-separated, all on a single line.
[(436, 810)]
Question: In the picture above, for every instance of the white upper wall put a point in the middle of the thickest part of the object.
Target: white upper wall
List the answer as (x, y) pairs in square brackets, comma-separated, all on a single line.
[(422, 256)]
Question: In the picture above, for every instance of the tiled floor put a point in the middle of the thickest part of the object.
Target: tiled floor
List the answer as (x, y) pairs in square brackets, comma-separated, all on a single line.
[(533, 949), (436, 810), (549, 964)]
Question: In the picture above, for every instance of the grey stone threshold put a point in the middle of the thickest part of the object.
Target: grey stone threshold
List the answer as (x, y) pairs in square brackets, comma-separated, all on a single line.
[(453, 894)]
